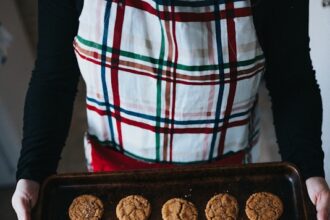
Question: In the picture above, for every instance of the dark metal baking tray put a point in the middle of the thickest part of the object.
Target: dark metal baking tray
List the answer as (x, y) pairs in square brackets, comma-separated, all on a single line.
[(194, 183)]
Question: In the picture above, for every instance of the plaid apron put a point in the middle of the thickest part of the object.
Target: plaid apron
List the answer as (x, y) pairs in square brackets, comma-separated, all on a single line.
[(168, 81)]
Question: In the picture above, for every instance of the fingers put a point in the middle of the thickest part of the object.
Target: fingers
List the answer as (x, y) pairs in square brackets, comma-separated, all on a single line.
[(22, 207)]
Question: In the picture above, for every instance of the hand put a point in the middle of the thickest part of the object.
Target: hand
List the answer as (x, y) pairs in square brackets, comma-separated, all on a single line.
[(319, 193), (25, 198)]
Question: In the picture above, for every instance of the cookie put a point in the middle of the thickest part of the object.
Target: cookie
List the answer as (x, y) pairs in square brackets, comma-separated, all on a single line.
[(179, 209), (86, 207), (222, 207), (133, 207), (264, 206)]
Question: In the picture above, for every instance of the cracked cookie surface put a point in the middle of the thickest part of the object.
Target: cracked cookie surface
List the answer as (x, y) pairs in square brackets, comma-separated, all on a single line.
[(133, 207), (86, 207), (179, 209), (222, 207), (264, 206)]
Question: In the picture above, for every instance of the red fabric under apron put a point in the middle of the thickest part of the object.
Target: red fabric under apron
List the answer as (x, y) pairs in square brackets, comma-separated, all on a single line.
[(105, 159)]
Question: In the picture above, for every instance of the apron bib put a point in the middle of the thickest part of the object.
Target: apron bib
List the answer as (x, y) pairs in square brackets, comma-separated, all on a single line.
[(168, 81)]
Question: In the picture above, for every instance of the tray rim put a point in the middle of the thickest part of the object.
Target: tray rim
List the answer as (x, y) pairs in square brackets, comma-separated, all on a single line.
[(185, 168)]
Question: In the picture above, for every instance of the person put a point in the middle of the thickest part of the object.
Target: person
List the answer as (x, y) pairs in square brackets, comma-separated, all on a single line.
[(171, 82)]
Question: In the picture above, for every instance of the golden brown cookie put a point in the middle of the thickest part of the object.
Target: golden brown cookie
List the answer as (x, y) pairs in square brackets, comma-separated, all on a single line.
[(133, 207), (264, 206), (86, 207), (179, 209), (222, 207)]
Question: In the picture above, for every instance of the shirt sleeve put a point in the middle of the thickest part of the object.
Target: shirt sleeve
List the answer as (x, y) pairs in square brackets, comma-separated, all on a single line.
[(51, 92), (282, 28)]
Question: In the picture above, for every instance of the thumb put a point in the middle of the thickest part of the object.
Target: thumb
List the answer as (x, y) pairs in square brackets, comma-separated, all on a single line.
[(22, 207), (24, 198)]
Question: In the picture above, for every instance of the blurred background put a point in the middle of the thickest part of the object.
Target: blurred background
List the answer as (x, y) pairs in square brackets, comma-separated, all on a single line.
[(19, 18)]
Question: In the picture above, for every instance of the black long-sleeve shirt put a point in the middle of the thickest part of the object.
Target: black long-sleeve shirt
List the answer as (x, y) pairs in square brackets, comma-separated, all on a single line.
[(282, 29)]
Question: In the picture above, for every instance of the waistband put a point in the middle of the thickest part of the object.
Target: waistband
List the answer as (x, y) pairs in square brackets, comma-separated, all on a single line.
[(107, 159)]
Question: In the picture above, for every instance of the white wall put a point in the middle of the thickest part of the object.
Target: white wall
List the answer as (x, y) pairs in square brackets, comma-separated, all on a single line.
[(320, 52), (14, 77)]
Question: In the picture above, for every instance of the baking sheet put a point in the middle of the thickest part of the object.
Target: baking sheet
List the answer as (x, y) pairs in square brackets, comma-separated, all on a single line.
[(194, 183)]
